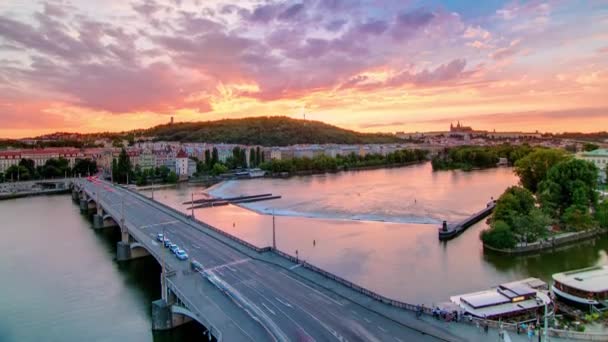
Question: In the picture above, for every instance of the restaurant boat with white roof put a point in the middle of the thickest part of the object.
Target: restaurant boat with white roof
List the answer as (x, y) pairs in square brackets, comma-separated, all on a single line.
[(585, 288)]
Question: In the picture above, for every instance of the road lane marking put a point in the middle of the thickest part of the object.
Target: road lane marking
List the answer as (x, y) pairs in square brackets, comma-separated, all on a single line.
[(398, 339), (267, 308), (355, 312), (366, 319), (158, 224), (381, 328), (240, 261), (295, 266), (283, 302), (313, 289)]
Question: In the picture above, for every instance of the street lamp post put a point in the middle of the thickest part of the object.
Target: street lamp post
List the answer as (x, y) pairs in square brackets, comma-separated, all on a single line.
[(274, 241), (546, 332), (163, 275), (192, 206)]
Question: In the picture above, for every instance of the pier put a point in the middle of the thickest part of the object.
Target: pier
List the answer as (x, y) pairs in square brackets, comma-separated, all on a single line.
[(451, 230)]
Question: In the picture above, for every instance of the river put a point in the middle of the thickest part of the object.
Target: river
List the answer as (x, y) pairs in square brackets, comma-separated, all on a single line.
[(378, 228), (59, 280)]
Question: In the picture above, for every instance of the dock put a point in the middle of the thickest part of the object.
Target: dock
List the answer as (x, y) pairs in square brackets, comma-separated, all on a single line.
[(451, 230)]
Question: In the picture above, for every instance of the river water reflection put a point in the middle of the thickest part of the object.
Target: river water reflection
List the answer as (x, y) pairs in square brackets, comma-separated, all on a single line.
[(379, 228), (59, 280)]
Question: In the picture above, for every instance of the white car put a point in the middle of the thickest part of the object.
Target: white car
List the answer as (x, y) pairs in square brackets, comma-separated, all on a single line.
[(181, 254)]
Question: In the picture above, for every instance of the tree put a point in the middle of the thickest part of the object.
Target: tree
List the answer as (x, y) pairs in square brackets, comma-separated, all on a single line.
[(84, 167), (218, 169), (162, 172), (531, 226), (601, 214), (30, 166), (172, 177), (533, 168), (17, 173), (500, 236), (513, 202), (577, 218), (571, 182), (208, 164), (54, 168), (243, 158), (590, 147), (2, 179), (258, 156), (215, 158), (252, 161), (123, 169)]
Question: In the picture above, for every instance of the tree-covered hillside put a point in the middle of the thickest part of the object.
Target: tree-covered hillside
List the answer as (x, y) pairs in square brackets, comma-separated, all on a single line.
[(265, 131)]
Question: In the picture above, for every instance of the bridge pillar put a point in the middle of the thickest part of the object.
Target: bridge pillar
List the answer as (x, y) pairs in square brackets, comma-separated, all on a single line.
[(75, 196), (102, 221), (87, 207), (128, 249), (163, 317)]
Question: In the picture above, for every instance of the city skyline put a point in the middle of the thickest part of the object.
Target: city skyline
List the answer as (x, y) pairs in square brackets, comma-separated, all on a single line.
[(82, 67)]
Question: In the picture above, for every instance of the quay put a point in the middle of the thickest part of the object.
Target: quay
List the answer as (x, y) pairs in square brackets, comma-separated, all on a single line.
[(34, 188), (449, 231)]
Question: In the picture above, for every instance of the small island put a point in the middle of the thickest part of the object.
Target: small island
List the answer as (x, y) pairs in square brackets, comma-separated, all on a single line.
[(556, 203)]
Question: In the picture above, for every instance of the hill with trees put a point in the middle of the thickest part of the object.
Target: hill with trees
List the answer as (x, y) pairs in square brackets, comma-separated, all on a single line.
[(264, 131)]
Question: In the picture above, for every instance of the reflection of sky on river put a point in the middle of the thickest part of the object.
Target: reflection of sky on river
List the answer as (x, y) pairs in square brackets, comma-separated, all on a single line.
[(408, 195), (400, 260)]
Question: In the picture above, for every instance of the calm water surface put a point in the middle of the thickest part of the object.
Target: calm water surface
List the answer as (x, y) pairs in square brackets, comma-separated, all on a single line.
[(379, 228), (59, 280)]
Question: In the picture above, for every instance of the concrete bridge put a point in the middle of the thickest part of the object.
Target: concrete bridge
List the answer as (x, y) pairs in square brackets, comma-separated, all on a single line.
[(246, 293)]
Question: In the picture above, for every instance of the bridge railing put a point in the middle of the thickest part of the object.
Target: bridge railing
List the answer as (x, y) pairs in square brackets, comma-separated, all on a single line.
[(212, 329)]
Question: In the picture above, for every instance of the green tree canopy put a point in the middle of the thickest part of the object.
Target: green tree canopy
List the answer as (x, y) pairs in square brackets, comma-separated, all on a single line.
[(601, 214), (218, 169), (590, 147), (30, 166), (572, 182), (17, 172), (533, 168), (54, 168), (499, 236), (122, 170), (84, 167), (516, 200)]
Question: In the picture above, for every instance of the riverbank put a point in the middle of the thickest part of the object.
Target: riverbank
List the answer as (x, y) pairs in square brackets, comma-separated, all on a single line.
[(550, 243), (21, 194), (344, 169), (156, 186)]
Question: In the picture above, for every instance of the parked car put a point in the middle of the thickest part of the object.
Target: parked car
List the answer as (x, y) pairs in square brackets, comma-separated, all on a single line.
[(174, 248), (159, 237), (181, 254), (167, 242)]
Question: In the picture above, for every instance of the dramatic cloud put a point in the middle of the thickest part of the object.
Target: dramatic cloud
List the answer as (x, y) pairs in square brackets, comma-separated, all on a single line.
[(144, 59)]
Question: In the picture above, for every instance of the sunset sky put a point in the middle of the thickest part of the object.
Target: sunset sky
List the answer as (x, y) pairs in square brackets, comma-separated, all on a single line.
[(368, 65)]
